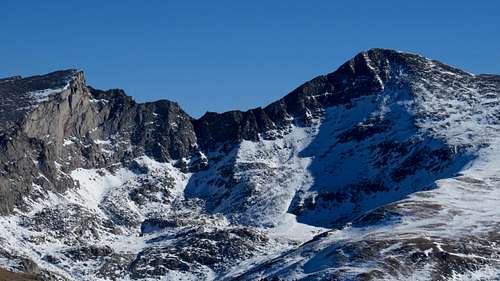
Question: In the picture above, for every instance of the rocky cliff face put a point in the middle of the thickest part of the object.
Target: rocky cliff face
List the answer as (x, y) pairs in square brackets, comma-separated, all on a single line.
[(94, 186), (54, 123)]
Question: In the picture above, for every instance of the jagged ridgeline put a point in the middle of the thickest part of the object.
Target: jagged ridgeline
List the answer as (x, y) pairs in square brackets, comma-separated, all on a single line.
[(41, 115), (384, 169)]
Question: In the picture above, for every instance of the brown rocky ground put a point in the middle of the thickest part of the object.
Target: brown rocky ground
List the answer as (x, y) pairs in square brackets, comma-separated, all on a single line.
[(11, 276)]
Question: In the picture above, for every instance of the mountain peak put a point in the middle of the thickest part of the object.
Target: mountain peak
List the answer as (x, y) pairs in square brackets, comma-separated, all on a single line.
[(94, 185), (20, 95)]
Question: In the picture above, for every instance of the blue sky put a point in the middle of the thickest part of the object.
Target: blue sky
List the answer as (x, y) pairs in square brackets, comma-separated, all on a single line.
[(223, 55)]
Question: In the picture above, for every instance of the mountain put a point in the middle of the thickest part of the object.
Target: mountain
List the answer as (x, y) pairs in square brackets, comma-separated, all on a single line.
[(385, 169)]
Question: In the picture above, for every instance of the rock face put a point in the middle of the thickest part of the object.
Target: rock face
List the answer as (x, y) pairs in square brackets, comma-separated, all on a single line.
[(62, 124), (370, 172)]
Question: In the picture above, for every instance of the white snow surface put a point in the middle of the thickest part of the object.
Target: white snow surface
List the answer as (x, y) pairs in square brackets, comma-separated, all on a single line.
[(43, 95)]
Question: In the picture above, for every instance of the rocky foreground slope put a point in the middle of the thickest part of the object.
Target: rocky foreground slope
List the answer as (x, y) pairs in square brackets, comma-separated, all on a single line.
[(385, 169)]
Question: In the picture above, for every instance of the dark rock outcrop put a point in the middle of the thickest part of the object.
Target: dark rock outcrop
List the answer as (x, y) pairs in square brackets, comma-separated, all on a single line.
[(77, 126)]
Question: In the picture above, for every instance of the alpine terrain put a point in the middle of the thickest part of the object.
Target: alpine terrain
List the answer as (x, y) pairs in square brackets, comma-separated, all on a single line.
[(386, 169)]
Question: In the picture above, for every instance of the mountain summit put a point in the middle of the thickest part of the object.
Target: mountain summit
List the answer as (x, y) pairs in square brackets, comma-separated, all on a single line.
[(385, 169)]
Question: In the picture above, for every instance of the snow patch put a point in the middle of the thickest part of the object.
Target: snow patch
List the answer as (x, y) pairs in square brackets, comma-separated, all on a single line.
[(43, 95)]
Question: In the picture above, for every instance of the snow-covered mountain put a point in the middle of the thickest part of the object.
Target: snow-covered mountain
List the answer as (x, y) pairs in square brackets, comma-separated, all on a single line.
[(385, 169)]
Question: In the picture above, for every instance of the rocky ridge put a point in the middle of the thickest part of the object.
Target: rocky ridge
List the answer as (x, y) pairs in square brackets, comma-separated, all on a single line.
[(94, 186)]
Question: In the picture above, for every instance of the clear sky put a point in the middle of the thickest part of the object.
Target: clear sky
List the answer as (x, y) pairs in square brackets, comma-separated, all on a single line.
[(223, 55)]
